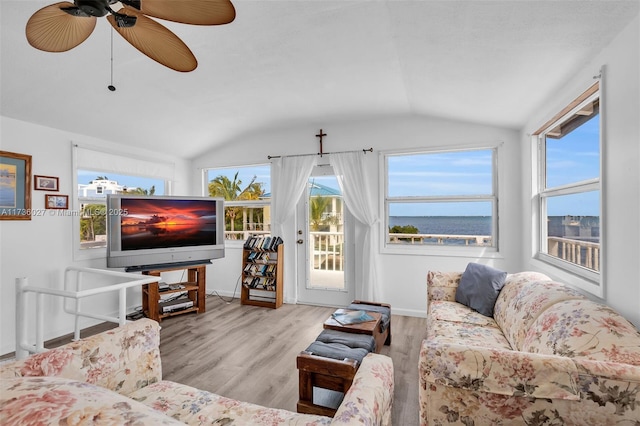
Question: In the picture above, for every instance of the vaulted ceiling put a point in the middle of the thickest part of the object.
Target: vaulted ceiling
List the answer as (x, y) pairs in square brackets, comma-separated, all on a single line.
[(283, 63)]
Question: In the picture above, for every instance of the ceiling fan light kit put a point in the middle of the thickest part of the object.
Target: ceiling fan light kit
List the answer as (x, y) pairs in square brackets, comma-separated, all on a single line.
[(62, 26)]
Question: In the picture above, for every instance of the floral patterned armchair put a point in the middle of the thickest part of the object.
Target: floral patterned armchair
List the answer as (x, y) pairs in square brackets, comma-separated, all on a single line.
[(549, 356)]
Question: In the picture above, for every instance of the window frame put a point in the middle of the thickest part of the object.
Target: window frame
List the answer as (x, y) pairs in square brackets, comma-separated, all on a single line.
[(98, 252), (587, 279), (434, 249)]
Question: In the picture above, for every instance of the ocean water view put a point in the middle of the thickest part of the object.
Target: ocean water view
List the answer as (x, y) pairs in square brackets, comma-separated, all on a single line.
[(582, 227), (447, 225)]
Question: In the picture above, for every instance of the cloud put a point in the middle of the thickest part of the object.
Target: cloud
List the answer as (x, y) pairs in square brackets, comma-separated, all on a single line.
[(431, 188), (562, 164), (436, 173), (588, 154)]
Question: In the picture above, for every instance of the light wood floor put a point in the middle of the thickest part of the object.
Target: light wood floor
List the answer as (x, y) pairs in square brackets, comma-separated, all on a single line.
[(248, 353)]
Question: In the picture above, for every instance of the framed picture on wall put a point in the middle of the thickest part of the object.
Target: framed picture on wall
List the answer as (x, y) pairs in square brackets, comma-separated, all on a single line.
[(15, 186), (56, 201), (45, 183)]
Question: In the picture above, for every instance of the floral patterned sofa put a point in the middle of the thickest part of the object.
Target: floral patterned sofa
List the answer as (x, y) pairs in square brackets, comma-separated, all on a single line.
[(115, 378), (548, 356)]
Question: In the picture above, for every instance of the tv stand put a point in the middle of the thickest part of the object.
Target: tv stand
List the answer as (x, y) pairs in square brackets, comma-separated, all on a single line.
[(195, 286)]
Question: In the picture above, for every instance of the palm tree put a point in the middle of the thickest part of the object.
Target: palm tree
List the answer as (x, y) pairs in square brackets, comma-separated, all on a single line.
[(222, 186), (142, 191), (317, 206), (93, 221)]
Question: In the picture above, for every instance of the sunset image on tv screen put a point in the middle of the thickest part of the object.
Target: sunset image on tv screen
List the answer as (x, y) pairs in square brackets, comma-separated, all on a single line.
[(162, 223)]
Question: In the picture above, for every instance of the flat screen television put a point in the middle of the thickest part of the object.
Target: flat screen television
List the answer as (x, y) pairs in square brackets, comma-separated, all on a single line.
[(148, 232)]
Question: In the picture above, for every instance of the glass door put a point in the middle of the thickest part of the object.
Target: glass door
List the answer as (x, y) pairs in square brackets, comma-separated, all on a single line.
[(324, 275)]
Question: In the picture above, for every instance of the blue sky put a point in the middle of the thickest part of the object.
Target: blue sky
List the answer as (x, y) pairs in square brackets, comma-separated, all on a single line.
[(441, 174), (575, 158), (445, 174), (245, 174)]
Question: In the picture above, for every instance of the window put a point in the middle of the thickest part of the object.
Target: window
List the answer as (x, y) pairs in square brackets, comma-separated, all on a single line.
[(569, 187), (247, 194), (99, 172), (441, 199), (93, 188)]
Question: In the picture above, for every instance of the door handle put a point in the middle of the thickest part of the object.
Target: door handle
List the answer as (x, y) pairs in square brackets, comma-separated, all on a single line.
[(300, 241)]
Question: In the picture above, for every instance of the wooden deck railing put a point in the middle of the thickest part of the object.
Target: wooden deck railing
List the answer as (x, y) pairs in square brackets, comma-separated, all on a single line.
[(242, 235), (580, 252), (326, 249), (440, 239)]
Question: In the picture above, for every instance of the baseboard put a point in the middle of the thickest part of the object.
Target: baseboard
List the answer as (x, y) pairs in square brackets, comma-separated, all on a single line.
[(408, 312), (223, 293)]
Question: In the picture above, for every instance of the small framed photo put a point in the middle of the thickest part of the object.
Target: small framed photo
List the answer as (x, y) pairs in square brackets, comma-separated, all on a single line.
[(56, 201), (45, 183)]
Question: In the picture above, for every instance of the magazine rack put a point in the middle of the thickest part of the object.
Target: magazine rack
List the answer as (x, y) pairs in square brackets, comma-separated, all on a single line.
[(262, 272)]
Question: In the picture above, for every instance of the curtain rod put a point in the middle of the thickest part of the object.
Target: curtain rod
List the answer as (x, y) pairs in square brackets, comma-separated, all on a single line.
[(319, 153)]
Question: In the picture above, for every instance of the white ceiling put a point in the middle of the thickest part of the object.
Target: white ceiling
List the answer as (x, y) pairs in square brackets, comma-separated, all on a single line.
[(283, 63)]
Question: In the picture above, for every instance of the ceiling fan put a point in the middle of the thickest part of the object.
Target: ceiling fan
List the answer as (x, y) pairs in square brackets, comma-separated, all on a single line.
[(62, 26)]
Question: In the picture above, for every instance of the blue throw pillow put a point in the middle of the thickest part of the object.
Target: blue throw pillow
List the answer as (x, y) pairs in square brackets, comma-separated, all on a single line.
[(479, 287)]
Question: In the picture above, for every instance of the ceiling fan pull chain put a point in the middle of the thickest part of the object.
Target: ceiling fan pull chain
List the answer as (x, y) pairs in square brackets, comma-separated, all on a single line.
[(111, 86)]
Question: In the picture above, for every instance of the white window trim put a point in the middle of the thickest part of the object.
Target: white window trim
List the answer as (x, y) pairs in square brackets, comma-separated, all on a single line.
[(584, 279), (90, 253), (441, 250), (163, 168)]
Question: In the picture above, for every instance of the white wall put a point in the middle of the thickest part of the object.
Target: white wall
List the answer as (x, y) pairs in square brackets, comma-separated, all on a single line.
[(621, 165), (403, 277), (41, 248)]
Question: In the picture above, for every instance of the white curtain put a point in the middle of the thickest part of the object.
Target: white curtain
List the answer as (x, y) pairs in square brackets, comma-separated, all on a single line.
[(290, 177), (350, 171)]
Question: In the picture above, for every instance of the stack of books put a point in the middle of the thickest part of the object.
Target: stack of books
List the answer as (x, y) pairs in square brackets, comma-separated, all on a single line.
[(263, 270), (262, 242), (259, 256), (260, 283)]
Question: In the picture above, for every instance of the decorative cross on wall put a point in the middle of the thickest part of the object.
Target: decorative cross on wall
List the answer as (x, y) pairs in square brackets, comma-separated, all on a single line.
[(320, 135)]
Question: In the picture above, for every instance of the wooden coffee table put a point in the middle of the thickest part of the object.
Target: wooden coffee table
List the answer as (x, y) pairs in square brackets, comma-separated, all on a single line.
[(323, 381), (371, 328)]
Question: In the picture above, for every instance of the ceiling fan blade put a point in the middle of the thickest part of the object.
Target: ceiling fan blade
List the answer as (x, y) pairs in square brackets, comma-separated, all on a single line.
[(53, 30), (195, 12), (156, 41)]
